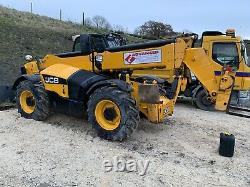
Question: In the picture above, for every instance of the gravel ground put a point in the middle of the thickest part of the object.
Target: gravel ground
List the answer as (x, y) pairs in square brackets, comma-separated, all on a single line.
[(64, 151)]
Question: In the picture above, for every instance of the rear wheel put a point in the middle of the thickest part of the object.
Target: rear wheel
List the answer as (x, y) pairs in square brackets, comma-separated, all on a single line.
[(32, 101), (113, 113), (203, 102)]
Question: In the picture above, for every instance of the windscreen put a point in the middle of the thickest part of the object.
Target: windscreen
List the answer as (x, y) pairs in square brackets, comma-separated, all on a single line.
[(226, 54)]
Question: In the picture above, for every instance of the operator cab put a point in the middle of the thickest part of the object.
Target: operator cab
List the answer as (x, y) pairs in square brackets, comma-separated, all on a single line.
[(88, 43), (99, 42)]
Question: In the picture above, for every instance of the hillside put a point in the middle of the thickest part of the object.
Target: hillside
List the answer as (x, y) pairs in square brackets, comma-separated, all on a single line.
[(23, 33)]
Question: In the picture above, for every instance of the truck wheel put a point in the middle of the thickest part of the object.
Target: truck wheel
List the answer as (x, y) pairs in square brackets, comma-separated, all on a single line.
[(113, 113), (32, 101), (202, 102)]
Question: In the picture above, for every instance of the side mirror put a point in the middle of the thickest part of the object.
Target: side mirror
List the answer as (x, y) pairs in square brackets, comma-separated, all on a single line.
[(98, 62), (85, 44)]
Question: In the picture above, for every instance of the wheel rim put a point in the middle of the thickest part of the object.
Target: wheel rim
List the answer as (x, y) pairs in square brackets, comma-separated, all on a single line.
[(27, 102), (108, 115)]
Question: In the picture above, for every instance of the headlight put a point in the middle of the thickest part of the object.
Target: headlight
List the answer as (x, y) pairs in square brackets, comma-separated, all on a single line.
[(28, 58)]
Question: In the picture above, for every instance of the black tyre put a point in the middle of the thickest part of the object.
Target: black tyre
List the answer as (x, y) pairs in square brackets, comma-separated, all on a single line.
[(113, 113), (202, 101), (32, 101)]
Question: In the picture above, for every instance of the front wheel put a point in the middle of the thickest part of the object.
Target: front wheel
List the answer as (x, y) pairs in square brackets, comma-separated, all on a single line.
[(32, 101), (202, 101), (113, 113)]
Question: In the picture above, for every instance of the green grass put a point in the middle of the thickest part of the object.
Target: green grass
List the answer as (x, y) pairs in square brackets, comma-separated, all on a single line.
[(23, 33)]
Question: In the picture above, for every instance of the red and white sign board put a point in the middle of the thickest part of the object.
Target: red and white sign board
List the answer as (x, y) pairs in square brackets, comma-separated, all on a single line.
[(143, 57)]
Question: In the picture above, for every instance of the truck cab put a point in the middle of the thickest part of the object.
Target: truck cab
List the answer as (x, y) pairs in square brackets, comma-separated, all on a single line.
[(226, 51)]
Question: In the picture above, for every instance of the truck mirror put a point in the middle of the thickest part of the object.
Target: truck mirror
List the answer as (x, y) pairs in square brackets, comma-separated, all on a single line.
[(85, 44)]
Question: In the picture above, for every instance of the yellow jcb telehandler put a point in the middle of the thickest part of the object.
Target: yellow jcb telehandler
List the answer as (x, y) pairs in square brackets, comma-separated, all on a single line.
[(96, 78)]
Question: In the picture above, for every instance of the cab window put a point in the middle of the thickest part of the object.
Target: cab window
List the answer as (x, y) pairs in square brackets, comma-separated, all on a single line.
[(245, 51), (98, 43), (77, 45), (226, 54)]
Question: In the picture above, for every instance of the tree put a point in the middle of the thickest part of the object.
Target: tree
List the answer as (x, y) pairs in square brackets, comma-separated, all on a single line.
[(155, 29), (119, 28), (101, 22)]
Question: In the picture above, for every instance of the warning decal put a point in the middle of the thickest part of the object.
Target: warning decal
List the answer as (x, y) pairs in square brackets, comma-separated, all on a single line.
[(143, 57)]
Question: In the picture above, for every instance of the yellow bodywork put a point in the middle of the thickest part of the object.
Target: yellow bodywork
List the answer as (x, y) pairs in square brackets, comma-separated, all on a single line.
[(31, 68), (61, 71), (219, 87)]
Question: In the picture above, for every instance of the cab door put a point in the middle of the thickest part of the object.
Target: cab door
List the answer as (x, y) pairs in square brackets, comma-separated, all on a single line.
[(226, 55)]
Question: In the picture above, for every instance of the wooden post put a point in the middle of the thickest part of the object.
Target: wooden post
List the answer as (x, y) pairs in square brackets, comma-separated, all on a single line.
[(31, 7), (83, 19), (60, 14)]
